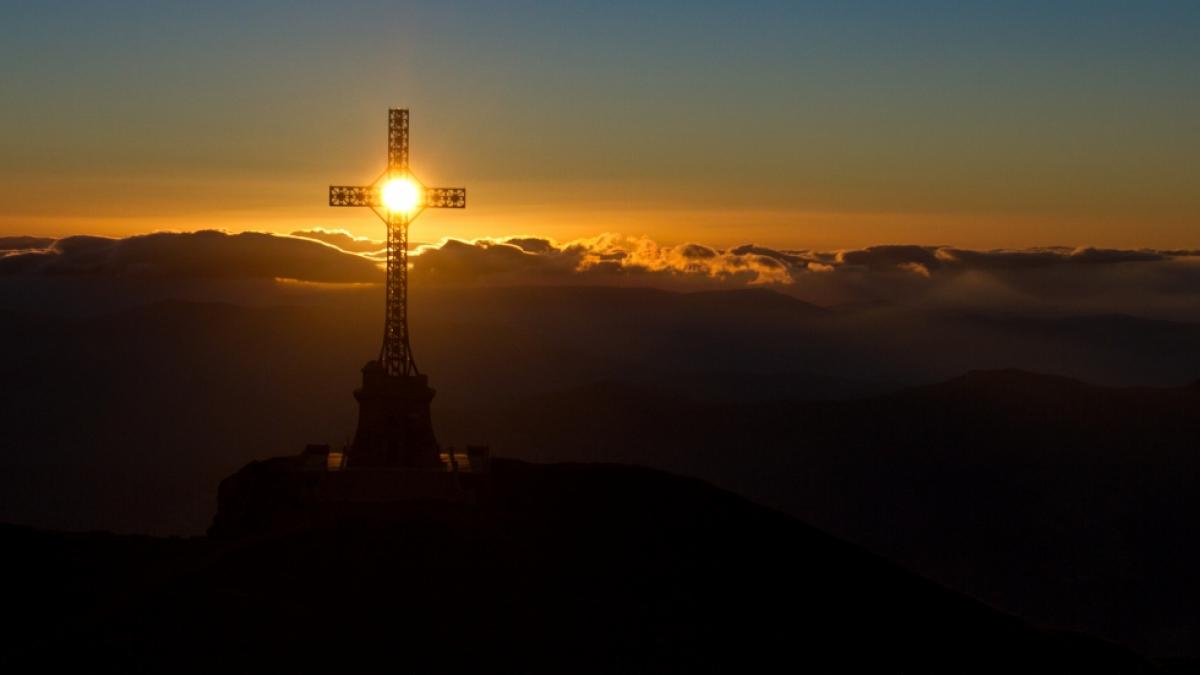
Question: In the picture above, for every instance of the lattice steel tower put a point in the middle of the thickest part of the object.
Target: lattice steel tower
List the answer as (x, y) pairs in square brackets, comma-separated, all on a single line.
[(394, 427)]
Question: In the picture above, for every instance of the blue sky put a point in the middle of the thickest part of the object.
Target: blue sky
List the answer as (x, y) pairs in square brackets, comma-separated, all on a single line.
[(974, 123)]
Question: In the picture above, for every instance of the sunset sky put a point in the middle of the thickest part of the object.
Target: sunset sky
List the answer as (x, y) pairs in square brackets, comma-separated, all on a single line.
[(790, 124)]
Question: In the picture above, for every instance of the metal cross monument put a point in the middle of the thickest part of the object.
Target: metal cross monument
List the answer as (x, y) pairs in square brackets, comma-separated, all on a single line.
[(394, 425), (397, 198)]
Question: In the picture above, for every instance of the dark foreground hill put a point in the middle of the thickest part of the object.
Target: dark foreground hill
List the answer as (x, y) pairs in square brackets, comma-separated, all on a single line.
[(1065, 503), (559, 569)]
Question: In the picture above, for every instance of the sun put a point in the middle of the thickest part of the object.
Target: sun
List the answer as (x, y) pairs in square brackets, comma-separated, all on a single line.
[(401, 194)]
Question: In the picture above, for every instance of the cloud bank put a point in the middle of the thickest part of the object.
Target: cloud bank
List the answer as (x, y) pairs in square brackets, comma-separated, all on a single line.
[(1087, 279), (1153, 282), (207, 254), (344, 240)]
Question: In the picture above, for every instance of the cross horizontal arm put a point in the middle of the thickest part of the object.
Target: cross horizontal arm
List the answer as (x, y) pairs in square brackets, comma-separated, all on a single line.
[(445, 198), (352, 195), (372, 195)]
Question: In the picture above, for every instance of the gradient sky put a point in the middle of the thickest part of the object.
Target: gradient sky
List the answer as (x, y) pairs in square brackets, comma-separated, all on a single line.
[(985, 124)]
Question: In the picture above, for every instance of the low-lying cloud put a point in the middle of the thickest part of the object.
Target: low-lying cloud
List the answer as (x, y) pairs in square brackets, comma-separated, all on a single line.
[(1148, 282), (608, 259), (344, 240), (207, 254)]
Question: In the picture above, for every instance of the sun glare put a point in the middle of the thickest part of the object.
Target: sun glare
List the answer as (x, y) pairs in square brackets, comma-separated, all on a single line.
[(401, 194)]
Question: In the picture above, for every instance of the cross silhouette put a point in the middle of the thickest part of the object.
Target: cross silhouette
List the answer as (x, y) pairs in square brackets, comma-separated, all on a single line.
[(397, 197)]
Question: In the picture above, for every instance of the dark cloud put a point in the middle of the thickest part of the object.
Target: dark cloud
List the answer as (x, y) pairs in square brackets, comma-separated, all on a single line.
[(697, 251), (1155, 282), (796, 258), (607, 259), (1108, 255), (613, 255), (459, 262), (876, 257), (207, 254), (343, 240), (23, 243), (1045, 257), (531, 244), (1146, 282), (1026, 259)]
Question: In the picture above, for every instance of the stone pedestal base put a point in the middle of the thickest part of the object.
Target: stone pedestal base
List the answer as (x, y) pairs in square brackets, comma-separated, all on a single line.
[(394, 426)]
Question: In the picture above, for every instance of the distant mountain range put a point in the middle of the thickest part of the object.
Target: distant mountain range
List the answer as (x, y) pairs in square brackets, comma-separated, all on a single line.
[(1066, 503)]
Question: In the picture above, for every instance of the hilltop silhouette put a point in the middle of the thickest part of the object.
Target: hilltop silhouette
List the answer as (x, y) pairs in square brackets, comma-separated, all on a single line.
[(559, 568), (1060, 501)]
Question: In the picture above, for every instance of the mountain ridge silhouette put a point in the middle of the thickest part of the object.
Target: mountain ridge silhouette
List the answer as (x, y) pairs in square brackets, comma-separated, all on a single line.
[(1068, 508), (579, 567)]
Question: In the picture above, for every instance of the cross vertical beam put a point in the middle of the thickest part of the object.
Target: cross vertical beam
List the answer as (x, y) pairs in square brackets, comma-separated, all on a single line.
[(395, 355), (396, 352), (397, 142)]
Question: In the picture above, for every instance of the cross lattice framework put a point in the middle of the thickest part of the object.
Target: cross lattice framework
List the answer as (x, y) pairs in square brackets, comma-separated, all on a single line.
[(396, 354)]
